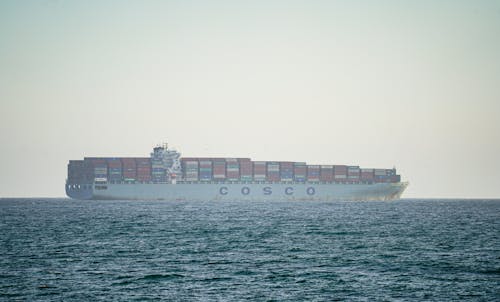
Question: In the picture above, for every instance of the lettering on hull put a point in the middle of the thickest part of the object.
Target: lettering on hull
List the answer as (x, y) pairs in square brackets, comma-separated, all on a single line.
[(290, 191)]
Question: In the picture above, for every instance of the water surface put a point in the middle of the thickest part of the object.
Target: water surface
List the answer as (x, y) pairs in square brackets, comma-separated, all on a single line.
[(420, 250)]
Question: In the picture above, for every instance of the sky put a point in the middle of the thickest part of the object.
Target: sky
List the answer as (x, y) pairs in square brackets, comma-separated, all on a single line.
[(408, 84)]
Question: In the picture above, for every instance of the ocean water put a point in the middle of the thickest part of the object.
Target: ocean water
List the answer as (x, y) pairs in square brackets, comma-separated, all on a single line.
[(408, 250)]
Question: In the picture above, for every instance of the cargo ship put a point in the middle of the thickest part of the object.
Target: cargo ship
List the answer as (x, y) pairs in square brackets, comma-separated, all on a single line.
[(165, 175)]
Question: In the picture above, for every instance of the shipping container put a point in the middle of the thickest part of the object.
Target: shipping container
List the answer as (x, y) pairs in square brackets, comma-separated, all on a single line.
[(300, 172), (366, 174), (218, 169), (128, 161), (340, 170), (313, 172), (114, 162), (143, 162), (259, 170), (382, 178), (246, 170), (326, 173), (353, 173), (232, 169), (272, 167)]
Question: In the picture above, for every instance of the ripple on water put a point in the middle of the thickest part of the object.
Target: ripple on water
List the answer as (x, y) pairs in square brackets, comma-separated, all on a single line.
[(118, 250)]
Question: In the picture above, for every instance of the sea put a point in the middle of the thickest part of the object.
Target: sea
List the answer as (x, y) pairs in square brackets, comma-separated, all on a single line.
[(405, 250)]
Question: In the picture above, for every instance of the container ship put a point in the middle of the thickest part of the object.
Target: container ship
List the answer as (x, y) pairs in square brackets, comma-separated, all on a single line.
[(165, 175)]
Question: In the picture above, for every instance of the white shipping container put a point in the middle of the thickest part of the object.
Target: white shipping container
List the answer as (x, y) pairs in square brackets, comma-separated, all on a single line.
[(341, 176), (326, 167)]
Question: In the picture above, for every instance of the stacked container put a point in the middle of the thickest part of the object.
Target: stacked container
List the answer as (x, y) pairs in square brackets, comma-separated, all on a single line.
[(340, 172), (326, 173), (366, 175), (129, 169), (232, 169), (76, 172), (273, 171), (395, 178), (114, 169), (205, 170), (246, 169), (143, 166), (219, 169), (286, 171), (190, 168), (381, 175), (158, 173), (390, 172), (313, 172), (259, 170), (184, 159), (353, 173), (98, 168), (300, 172), (88, 171)]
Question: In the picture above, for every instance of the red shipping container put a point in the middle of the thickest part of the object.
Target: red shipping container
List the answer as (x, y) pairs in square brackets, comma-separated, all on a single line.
[(129, 164), (340, 170), (326, 177), (143, 162), (365, 175), (286, 164), (396, 178)]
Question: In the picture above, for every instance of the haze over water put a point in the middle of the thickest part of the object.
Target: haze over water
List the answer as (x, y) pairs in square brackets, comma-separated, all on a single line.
[(411, 84), (409, 250)]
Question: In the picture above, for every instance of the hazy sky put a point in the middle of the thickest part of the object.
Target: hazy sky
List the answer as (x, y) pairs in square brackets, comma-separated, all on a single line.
[(411, 84)]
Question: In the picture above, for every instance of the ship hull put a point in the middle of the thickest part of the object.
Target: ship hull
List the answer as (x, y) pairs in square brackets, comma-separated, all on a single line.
[(239, 191)]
